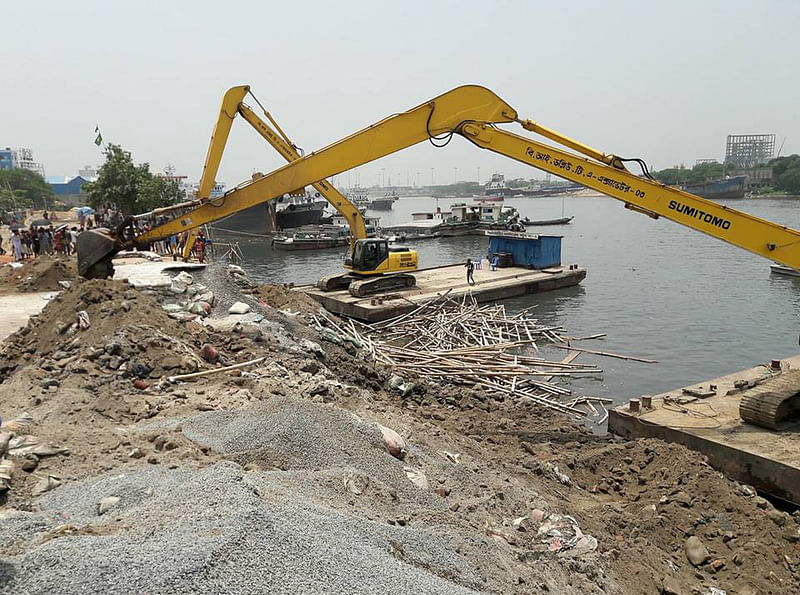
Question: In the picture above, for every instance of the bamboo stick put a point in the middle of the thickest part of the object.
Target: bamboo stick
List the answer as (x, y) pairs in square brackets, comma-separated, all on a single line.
[(215, 370), (607, 354)]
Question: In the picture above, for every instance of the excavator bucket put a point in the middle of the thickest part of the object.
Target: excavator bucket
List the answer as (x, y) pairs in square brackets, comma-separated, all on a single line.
[(95, 249)]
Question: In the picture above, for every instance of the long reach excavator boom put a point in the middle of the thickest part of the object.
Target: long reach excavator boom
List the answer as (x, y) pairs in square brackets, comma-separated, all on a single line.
[(473, 112), (233, 103)]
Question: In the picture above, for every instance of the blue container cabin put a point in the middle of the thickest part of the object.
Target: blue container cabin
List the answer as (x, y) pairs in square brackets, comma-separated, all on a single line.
[(526, 249)]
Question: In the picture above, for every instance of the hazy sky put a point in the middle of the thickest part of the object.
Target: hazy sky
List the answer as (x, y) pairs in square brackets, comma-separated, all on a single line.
[(666, 81)]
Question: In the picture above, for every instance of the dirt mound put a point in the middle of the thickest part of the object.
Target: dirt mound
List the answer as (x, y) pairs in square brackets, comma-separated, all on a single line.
[(41, 274), (282, 297), (648, 497), (108, 307)]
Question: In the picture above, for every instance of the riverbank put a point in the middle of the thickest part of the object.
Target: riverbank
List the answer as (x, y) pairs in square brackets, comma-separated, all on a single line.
[(281, 476)]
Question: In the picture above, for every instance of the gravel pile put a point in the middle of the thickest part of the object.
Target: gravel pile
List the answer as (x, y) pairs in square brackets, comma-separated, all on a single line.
[(181, 531), (288, 433)]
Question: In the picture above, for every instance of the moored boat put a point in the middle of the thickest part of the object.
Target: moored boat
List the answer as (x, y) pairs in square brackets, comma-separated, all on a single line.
[(781, 269), (728, 188), (299, 211), (326, 236), (385, 203), (560, 221)]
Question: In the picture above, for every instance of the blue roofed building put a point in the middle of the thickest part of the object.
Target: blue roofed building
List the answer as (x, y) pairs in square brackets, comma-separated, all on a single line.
[(68, 190)]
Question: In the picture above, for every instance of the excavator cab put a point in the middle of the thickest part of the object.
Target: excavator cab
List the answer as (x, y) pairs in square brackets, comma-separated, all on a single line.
[(368, 255), (374, 256), (375, 267)]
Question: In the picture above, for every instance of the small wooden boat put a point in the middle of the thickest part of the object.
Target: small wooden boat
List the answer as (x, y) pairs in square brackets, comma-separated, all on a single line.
[(310, 241), (784, 270), (559, 221)]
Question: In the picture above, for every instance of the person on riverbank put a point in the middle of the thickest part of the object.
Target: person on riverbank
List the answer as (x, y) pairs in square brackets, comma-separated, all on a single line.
[(16, 245), (27, 244), (44, 241), (470, 271), (173, 246), (200, 245)]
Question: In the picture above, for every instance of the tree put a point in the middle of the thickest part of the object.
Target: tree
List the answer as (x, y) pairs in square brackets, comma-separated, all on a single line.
[(129, 186), (9, 201), (786, 173), (702, 172), (28, 188), (158, 192), (674, 176)]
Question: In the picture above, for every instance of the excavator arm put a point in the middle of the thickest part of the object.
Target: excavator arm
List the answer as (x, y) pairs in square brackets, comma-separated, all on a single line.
[(473, 112), (233, 104), (441, 115), (767, 239)]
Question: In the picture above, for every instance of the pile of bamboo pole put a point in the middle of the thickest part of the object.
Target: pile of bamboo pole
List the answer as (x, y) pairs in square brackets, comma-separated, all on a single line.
[(461, 342)]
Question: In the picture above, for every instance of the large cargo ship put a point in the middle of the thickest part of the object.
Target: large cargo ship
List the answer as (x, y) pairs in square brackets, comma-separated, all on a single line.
[(256, 220), (274, 216), (727, 188)]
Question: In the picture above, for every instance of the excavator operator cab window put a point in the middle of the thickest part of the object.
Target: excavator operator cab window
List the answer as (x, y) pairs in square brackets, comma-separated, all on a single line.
[(383, 250), (369, 254)]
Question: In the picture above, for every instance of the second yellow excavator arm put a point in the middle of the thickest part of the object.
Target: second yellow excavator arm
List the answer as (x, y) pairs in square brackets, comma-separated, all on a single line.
[(473, 112), (233, 104)]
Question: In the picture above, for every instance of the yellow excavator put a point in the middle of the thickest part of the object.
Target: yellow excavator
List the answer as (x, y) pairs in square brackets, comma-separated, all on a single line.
[(473, 113), (374, 265)]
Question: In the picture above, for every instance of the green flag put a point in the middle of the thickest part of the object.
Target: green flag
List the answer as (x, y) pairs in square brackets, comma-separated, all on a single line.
[(98, 140)]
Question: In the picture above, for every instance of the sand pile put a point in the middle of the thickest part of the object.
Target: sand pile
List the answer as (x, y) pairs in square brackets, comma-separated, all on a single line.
[(41, 274), (91, 313), (282, 297), (657, 495)]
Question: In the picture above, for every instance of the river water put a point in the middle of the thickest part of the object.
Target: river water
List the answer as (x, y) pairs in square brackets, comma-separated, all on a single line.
[(699, 306)]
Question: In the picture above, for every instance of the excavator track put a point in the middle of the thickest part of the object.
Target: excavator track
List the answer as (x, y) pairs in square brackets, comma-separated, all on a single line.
[(336, 282), (775, 404), (382, 283)]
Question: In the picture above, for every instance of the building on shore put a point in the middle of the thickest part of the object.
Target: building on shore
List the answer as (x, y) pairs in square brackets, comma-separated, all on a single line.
[(68, 190), (749, 150), (20, 159)]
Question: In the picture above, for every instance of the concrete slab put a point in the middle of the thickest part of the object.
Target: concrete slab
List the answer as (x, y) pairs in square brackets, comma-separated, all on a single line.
[(766, 459), (17, 308), (432, 282), (141, 272)]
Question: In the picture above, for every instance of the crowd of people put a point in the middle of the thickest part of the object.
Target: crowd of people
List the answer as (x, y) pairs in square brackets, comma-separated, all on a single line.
[(174, 245), (28, 242)]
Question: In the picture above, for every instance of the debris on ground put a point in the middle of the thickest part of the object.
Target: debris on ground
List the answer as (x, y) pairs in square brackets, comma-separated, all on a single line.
[(284, 297)]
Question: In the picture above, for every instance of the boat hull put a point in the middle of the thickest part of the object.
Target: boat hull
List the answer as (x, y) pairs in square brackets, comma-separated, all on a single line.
[(308, 244), (728, 188), (256, 220), (559, 221), (297, 215), (784, 270), (380, 204)]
